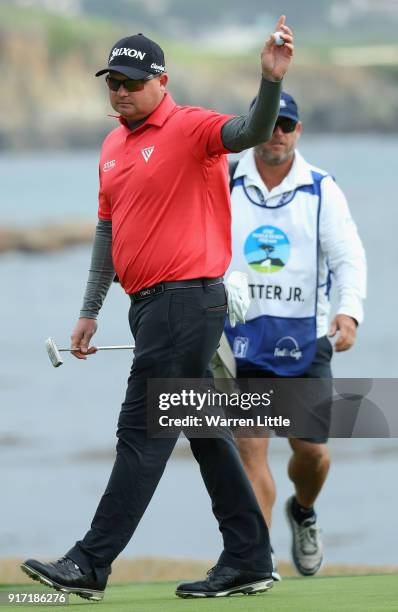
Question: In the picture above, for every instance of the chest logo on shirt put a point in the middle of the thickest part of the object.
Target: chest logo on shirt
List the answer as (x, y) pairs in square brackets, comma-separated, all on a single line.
[(267, 249), (146, 153)]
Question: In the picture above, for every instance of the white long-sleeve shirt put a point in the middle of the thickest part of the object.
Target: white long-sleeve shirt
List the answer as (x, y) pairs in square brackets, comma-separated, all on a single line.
[(341, 250)]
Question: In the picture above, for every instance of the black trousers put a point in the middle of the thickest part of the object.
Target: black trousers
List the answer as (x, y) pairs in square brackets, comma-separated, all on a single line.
[(176, 334)]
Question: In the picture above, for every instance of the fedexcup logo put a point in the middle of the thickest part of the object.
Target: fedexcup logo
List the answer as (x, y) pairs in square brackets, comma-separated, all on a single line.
[(288, 347), (126, 51)]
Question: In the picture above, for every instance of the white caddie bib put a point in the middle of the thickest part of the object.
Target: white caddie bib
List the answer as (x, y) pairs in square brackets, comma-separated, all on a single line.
[(278, 248)]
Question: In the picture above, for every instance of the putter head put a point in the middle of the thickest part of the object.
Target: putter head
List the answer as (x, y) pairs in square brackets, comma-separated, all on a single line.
[(53, 353)]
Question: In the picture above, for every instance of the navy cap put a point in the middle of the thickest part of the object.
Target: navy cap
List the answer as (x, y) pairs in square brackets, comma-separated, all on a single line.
[(136, 56), (288, 107)]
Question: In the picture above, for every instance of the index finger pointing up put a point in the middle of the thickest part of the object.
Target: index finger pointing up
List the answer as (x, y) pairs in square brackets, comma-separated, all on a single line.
[(281, 22)]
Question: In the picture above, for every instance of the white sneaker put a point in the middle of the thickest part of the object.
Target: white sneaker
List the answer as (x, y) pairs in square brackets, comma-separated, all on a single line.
[(307, 549), (275, 575)]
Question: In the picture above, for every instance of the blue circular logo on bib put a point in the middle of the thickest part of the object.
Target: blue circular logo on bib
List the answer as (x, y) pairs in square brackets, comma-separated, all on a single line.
[(267, 249)]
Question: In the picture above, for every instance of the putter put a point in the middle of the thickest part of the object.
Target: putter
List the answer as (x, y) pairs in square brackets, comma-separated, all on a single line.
[(54, 352)]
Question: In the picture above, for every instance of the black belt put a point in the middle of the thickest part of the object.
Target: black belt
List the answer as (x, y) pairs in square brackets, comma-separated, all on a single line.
[(144, 294)]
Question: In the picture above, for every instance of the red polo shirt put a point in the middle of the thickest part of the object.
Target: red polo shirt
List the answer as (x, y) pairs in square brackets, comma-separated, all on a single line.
[(165, 187)]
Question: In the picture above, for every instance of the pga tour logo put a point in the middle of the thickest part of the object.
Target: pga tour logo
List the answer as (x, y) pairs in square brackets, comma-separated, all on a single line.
[(109, 165), (240, 347), (125, 51)]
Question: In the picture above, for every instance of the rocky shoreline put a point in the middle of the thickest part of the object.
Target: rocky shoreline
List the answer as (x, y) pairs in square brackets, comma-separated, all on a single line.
[(46, 238)]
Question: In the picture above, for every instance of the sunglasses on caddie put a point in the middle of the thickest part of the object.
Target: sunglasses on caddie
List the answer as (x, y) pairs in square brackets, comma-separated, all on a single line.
[(287, 125), (128, 84)]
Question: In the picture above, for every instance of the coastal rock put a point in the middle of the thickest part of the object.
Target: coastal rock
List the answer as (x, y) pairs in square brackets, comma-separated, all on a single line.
[(46, 238)]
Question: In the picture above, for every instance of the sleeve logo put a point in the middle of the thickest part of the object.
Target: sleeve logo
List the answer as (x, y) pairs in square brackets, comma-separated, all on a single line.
[(109, 165)]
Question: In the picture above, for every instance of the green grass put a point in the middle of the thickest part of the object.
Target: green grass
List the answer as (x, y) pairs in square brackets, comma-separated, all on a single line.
[(321, 594), (267, 269)]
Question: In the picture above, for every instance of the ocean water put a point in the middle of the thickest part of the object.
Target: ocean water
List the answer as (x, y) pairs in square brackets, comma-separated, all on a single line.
[(57, 426)]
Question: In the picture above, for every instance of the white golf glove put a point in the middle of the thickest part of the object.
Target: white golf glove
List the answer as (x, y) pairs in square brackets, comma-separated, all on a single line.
[(238, 297)]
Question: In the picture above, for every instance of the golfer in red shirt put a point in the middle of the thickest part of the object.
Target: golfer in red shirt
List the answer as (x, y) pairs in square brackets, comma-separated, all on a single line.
[(164, 228)]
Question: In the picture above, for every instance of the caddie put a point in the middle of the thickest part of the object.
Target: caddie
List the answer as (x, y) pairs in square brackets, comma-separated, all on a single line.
[(293, 235)]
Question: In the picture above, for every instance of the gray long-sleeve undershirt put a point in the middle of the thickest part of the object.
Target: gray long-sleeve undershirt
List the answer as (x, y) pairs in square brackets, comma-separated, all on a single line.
[(257, 125), (101, 273), (237, 134)]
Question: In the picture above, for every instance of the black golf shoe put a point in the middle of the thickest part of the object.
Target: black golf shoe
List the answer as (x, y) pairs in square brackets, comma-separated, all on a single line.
[(222, 581), (64, 575)]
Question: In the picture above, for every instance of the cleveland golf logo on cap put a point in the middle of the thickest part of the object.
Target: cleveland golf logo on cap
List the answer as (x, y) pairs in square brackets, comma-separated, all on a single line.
[(157, 67), (129, 52)]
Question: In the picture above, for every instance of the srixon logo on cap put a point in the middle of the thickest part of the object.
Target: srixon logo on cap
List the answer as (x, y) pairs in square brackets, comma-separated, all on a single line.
[(129, 52)]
